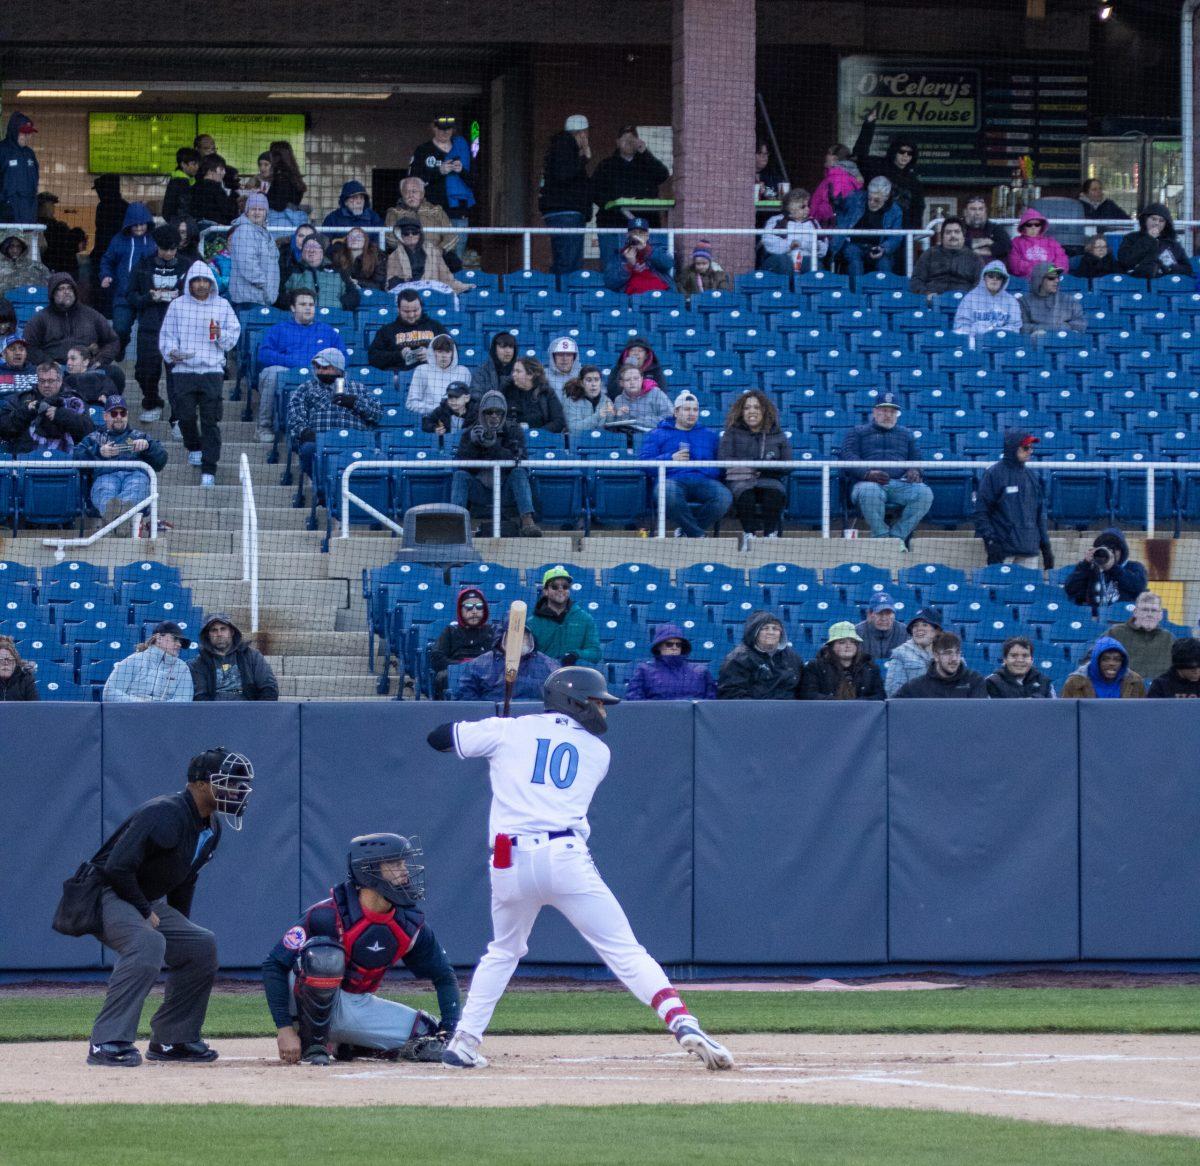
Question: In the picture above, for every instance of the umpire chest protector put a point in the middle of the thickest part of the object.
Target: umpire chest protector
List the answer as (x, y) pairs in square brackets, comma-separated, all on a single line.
[(372, 943)]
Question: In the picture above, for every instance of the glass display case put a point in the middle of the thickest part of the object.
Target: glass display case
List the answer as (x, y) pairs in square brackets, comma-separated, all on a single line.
[(1136, 170), (1165, 179)]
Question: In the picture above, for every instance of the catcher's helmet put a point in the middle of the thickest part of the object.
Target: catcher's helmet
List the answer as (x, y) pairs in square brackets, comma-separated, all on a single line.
[(232, 779), (370, 853), (572, 690)]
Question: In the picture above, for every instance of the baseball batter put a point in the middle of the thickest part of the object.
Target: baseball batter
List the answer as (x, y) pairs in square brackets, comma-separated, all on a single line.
[(544, 770)]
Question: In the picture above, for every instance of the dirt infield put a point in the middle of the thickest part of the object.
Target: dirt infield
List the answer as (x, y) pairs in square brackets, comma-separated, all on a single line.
[(1149, 1084)]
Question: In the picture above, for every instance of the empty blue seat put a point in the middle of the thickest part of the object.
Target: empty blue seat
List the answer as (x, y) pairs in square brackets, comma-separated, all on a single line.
[(1002, 575), (706, 574), (1079, 498)]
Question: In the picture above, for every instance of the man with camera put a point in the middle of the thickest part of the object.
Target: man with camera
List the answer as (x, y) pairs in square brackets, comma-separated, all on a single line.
[(44, 417), (639, 266), (117, 442), (1105, 574)]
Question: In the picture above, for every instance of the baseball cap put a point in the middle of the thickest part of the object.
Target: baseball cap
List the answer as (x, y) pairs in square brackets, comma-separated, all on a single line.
[(638, 224), (445, 122), (687, 397), (556, 573), (27, 128), (330, 358), (887, 401), (563, 344), (843, 630), (171, 628), (575, 123), (881, 601), (630, 129), (458, 389), (17, 337), (46, 196), (1028, 440), (115, 403)]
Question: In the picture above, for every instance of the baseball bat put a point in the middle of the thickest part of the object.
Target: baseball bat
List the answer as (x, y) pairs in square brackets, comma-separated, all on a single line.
[(513, 645)]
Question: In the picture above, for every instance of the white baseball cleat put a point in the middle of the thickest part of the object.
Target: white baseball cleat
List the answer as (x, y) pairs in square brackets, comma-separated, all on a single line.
[(463, 1052), (696, 1041)]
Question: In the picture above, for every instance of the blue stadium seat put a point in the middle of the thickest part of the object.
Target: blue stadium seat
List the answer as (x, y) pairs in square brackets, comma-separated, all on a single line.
[(804, 497), (692, 617), (848, 575), (1003, 575), (47, 495), (1129, 498), (778, 575), (1079, 498), (925, 575), (558, 496)]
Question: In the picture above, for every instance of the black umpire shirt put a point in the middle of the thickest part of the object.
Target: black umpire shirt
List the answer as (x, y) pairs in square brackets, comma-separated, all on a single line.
[(158, 851)]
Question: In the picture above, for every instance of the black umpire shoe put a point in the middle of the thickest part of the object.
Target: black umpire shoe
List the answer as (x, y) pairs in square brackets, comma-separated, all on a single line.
[(190, 1052), (116, 1054)]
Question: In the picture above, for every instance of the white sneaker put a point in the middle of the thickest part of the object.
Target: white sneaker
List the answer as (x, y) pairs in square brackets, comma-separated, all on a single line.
[(745, 541), (207, 480), (678, 532), (151, 415), (773, 534), (195, 458), (176, 434), (265, 436), (696, 1041), (463, 1052)]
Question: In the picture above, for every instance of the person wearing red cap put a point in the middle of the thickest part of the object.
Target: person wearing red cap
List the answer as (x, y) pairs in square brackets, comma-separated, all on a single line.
[(18, 172), (1010, 507)]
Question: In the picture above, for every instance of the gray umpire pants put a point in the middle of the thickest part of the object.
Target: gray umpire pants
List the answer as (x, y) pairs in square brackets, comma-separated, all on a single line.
[(188, 952)]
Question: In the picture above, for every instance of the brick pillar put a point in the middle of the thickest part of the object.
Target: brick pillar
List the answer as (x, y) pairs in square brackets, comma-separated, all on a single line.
[(712, 98)]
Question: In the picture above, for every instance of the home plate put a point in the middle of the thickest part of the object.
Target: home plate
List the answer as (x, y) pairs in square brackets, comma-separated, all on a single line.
[(824, 986)]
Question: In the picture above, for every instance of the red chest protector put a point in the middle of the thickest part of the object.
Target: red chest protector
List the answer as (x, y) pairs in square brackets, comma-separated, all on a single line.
[(372, 943)]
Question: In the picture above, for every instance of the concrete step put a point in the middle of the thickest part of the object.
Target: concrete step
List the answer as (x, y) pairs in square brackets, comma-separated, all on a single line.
[(189, 517), (325, 644), (325, 686), (227, 566), (288, 665), (277, 618), (326, 594)]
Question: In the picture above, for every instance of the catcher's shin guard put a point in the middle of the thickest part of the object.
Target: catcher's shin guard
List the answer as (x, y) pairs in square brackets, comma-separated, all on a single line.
[(318, 977)]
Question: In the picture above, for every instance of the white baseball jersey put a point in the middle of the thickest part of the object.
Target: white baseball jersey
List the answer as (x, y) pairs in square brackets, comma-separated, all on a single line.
[(544, 769)]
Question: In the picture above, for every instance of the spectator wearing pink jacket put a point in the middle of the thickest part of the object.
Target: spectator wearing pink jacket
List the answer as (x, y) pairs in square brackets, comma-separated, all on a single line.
[(842, 176), (1033, 246)]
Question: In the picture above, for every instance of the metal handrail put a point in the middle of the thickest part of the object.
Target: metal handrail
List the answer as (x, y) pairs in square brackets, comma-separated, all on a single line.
[(249, 537), (825, 466)]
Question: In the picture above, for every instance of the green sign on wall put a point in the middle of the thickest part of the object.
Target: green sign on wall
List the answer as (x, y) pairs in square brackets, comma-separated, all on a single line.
[(241, 137), (137, 143)]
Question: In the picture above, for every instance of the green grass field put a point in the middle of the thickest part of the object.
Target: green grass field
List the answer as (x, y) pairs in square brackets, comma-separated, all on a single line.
[(1170, 1009), (815, 1135)]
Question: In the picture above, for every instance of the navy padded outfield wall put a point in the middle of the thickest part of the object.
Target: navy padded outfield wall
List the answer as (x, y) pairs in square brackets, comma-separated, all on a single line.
[(736, 833)]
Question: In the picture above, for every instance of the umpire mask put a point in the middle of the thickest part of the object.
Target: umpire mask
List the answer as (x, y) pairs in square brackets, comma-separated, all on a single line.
[(231, 777), (386, 863)]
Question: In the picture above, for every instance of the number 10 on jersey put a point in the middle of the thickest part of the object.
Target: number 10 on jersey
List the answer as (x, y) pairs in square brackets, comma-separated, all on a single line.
[(563, 763)]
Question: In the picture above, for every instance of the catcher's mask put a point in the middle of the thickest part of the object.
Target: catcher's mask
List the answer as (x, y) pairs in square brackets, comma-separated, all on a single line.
[(385, 863), (231, 777)]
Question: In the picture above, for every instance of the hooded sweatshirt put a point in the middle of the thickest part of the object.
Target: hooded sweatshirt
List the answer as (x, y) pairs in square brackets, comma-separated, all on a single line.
[(343, 218), (1087, 683), (52, 331), (458, 641), (670, 677), (827, 678), (1170, 685), (1049, 311), (907, 662), (749, 673), (429, 383), (650, 365), (907, 188), (962, 684), (126, 251), (156, 282), (980, 311), (395, 345), (481, 443), (1122, 582), (558, 379), (1143, 255), (1029, 250), (188, 325), (242, 673), (254, 264), (490, 375), (19, 172), (22, 270), (1010, 505), (841, 179)]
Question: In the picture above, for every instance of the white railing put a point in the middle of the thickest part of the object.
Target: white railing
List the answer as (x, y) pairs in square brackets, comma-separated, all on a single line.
[(824, 467), (249, 538), (149, 503)]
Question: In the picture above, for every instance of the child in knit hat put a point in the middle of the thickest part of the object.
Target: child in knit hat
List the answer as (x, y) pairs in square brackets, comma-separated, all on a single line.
[(703, 274)]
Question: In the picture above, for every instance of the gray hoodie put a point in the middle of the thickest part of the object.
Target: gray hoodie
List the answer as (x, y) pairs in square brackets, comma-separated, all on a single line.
[(1054, 311), (254, 264), (558, 379)]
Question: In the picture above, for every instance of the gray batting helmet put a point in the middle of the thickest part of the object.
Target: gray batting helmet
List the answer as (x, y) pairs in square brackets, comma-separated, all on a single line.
[(572, 690)]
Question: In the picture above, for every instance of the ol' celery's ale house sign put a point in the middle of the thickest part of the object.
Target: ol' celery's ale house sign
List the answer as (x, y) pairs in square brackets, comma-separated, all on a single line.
[(971, 121)]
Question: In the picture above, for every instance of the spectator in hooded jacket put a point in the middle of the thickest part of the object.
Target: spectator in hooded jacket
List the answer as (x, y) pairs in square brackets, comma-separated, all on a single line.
[(19, 171), (872, 209), (455, 413), (403, 343), (467, 638), (16, 677), (1180, 681), (752, 433), (641, 404), (987, 239), (586, 406), (128, 248), (1105, 676), (494, 438), (228, 668), (1010, 507), (531, 402), (565, 199), (639, 266), (911, 659), (639, 354), (332, 288), (989, 308), (841, 669), (413, 204), (353, 210), (18, 268), (1106, 574), (157, 281), (1046, 309), (669, 674), (562, 364), (1017, 678), (1149, 645), (561, 628), (1034, 244), (497, 368), (763, 666), (696, 498), (842, 177), (65, 322), (949, 266), (630, 172), (704, 274), (432, 379), (793, 236), (1153, 250), (879, 632), (483, 677), (947, 677), (899, 167), (418, 260), (254, 270)]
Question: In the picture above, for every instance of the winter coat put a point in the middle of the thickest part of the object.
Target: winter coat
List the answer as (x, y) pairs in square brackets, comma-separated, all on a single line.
[(449, 420), (945, 269), (21, 685), (126, 251), (110, 214), (559, 379), (825, 678), (212, 203), (25, 432), (566, 185), (1003, 685), (154, 455), (428, 214), (907, 188), (1088, 266), (449, 191), (149, 675), (980, 311), (648, 409), (258, 681), (19, 173), (871, 443), (332, 288), (964, 684), (94, 386), (291, 345), (571, 632), (584, 415), (1145, 256), (508, 444), (537, 408), (491, 374), (794, 236), (1086, 682), (670, 677), (989, 241), (483, 678), (661, 443), (164, 276), (693, 283), (1123, 582), (187, 327), (880, 645), (907, 662), (1010, 506), (841, 179), (24, 270), (1049, 312), (651, 367), (427, 389), (177, 198), (617, 178), (1028, 251), (341, 217), (400, 264), (739, 443), (458, 642), (854, 207), (395, 345), (653, 272), (53, 330), (1104, 209), (1149, 651), (254, 272), (1170, 685), (748, 673)]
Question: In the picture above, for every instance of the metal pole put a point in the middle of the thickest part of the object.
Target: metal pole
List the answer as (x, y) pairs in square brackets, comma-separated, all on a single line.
[(527, 251), (1149, 501), (825, 502), (244, 469), (496, 501), (662, 500), (908, 253)]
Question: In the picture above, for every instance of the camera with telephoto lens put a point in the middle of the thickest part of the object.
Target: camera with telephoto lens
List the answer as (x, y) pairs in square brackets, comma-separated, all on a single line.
[(1102, 557)]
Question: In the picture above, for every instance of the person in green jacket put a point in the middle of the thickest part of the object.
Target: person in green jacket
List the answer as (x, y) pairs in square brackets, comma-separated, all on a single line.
[(560, 629)]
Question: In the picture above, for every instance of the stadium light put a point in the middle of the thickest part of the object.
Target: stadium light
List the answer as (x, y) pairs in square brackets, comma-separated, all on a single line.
[(1106, 11), (329, 95)]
